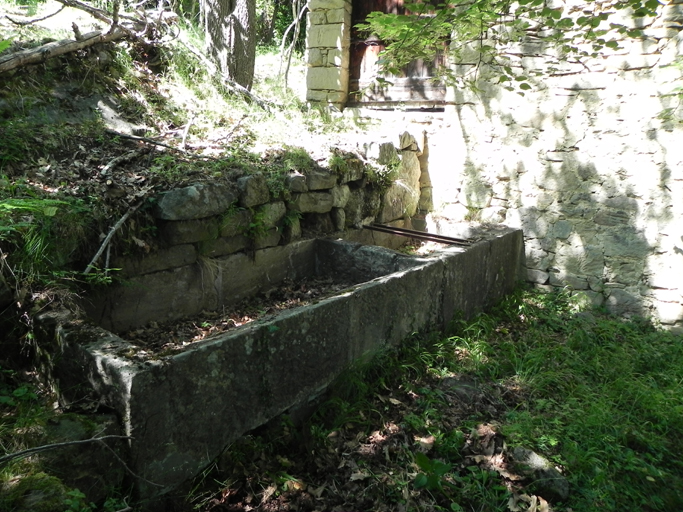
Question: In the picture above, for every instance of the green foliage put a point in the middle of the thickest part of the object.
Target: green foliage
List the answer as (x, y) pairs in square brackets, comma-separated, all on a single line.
[(481, 32), (40, 234), (4, 44), (382, 176), (433, 473), (76, 502), (604, 396)]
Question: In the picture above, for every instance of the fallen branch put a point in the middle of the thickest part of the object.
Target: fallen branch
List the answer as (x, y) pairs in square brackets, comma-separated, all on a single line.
[(119, 159), (25, 453), (54, 49), (109, 236)]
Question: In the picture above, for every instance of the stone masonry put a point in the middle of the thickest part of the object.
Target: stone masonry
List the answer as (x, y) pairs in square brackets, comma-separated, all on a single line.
[(327, 51), (589, 163), (205, 227)]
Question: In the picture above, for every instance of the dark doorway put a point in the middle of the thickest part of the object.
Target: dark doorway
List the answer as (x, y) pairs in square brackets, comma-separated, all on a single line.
[(413, 86)]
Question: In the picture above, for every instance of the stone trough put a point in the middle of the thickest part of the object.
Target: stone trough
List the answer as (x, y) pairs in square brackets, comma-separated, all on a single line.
[(183, 410)]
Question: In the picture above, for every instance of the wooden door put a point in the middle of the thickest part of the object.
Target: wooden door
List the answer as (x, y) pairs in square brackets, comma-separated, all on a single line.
[(413, 86)]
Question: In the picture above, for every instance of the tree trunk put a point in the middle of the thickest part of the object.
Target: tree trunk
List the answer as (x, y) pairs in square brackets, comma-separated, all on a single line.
[(230, 28)]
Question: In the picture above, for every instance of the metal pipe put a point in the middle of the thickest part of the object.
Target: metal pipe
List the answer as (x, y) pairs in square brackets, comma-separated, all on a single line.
[(420, 235)]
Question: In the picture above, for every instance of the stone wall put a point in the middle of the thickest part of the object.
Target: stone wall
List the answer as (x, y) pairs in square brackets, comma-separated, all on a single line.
[(327, 51), (591, 167), (589, 164), (209, 226)]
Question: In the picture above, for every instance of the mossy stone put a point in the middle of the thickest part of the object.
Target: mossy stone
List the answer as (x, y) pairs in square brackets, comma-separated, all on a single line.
[(34, 493)]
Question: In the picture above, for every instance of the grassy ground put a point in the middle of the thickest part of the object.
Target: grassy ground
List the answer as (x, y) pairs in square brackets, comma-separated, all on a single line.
[(598, 397)]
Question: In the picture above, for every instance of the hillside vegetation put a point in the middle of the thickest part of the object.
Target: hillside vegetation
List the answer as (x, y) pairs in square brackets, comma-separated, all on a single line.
[(448, 421)]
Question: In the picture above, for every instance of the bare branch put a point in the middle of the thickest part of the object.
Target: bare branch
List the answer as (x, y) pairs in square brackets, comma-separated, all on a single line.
[(109, 236), (35, 20), (25, 453)]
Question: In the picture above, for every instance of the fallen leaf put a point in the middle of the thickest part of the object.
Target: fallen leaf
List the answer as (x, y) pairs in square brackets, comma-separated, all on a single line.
[(359, 475), (318, 491), (426, 443)]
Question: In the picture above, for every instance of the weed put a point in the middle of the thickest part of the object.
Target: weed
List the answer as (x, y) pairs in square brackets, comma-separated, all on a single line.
[(382, 176)]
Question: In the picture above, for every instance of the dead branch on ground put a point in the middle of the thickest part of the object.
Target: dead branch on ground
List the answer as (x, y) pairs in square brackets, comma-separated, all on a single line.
[(120, 24)]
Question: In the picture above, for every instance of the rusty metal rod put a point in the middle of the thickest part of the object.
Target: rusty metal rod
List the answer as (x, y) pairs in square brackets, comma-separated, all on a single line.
[(420, 235)]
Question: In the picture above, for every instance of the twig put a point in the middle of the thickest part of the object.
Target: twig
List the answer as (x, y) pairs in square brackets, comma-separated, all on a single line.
[(35, 20), (121, 158), (112, 231), (141, 139), (186, 131), (25, 453)]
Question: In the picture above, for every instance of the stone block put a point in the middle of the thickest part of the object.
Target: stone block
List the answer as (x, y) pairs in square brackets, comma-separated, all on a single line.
[(270, 214), (325, 36), (477, 193), (291, 232), (327, 79), (311, 202), (537, 276), (337, 58), (236, 222), (253, 190), (338, 218), (320, 180), (318, 223), (400, 200), (296, 182), (340, 15), (426, 202), (195, 201), (409, 171), (562, 229), (181, 232), (316, 57), (269, 239), (669, 313), (224, 246), (355, 170), (316, 96), (586, 299), (621, 301), (316, 18), (164, 259), (607, 217), (624, 243), (327, 4), (574, 282), (493, 214), (340, 196)]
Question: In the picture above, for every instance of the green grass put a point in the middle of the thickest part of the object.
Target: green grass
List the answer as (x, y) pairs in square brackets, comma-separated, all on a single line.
[(600, 397)]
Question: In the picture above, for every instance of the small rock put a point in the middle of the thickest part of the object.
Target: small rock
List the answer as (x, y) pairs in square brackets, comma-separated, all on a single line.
[(548, 482)]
